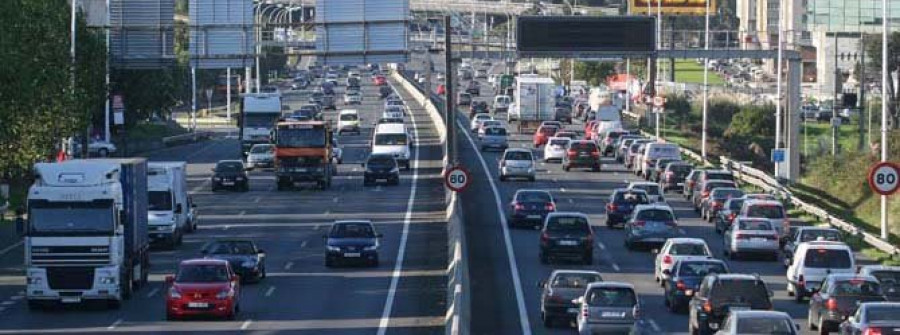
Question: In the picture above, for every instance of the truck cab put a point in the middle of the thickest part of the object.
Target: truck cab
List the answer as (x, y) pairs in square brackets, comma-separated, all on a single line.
[(168, 208), (303, 153)]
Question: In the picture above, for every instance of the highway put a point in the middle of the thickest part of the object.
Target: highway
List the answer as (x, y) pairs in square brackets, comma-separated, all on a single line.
[(300, 294)]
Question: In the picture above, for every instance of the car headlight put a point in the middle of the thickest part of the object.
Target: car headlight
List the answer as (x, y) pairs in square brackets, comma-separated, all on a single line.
[(371, 247), (395, 170), (248, 264), (218, 178), (239, 178), (174, 294), (225, 294), (107, 280), (332, 248)]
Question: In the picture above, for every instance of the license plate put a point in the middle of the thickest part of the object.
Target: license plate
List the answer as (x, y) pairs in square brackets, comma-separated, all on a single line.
[(533, 217), (351, 254), (71, 300), (679, 184), (612, 314), (758, 239), (572, 310), (227, 183), (198, 305), (714, 326), (569, 243)]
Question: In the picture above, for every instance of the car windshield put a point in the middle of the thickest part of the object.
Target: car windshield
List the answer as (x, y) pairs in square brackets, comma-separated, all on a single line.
[(827, 259), (814, 234), (857, 287), (231, 248), (312, 137), (61, 217), (741, 290), (632, 198), (381, 161), (159, 201), (770, 325), (688, 249), (229, 167), (680, 169), (766, 211), (482, 118), (559, 142), (352, 230), (574, 280), (261, 149), (349, 117), (889, 279), (495, 131), (390, 139), (611, 297), (568, 224), (754, 225), (547, 130), (517, 156), (533, 197), (700, 269), (712, 185), (882, 313), (202, 273), (654, 215), (491, 123), (582, 146), (727, 193), (652, 189)]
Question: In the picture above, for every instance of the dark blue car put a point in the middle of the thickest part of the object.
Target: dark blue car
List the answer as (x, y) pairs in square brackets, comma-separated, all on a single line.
[(685, 278), (621, 205), (352, 241), (530, 207)]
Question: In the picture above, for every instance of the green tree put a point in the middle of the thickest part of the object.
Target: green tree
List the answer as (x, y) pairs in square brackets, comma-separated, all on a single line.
[(753, 121), (594, 72), (873, 49)]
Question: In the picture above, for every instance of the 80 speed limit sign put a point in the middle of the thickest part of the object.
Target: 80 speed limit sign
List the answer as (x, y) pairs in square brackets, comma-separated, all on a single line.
[(457, 179), (884, 178)]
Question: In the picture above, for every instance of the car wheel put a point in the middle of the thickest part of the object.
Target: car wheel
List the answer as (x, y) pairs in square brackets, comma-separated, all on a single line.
[(566, 168)]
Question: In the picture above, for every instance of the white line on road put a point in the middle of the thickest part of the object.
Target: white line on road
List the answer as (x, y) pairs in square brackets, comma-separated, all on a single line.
[(507, 240), (601, 245), (334, 200), (246, 324), (616, 267), (303, 244), (10, 248), (270, 290), (562, 189), (8, 303), (317, 227), (242, 213), (17, 297), (655, 326), (226, 227), (398, 265), (257, 199), (153, 292), (289, 265), (571, 201), (114, 324)]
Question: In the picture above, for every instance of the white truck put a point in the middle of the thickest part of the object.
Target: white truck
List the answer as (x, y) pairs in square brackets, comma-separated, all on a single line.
[(259, 112), (86, 235), (534, 101), (169, 210)]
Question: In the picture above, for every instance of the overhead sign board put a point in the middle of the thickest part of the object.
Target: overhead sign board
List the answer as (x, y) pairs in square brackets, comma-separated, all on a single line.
[(142, 34), (362, 32), (686, 7), (585, 36), (221, 33)]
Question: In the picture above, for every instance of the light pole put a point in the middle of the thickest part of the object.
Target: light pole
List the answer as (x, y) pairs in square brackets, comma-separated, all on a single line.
[(884, 109), (705, 87)]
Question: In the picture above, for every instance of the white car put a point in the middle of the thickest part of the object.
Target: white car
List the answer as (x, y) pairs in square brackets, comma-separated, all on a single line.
[(654, 192), (393, 112), (674, 250), (556, 148), (348, 121), (478, 119), (487, 124), (261, 155), (95, 147)]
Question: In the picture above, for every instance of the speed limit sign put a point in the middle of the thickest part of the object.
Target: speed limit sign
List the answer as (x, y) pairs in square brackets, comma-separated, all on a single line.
[(884, 178), (457, 179)]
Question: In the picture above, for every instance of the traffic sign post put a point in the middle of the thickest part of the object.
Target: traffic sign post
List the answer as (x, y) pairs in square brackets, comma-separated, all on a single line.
[(778, 155), (884, 178), (457, 178)]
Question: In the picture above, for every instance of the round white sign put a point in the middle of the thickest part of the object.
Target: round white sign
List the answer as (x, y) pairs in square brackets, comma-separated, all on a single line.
[(457, 179), (884, 178)]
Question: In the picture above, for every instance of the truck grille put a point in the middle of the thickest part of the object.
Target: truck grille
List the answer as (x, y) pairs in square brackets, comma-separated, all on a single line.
[(70, 255), (70, 278)]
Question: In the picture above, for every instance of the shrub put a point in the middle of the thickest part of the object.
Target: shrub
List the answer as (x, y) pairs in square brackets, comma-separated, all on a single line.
[(752, 121)]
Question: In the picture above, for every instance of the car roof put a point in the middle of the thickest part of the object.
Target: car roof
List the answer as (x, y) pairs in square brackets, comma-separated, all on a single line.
[(871, 268), (880, 303), (341, 222), (653, 206), (725, 189), (610, 284), (204, 261), (805, 228), (642, 183), (523, 190), (559, 138), (230, 161), (760, 314), (518, 150), (754, 202), (391, 128), (686, 240), (738, 276), (380, 155), (851, 276), (585, 272), (349, 111), (569, 214), (831, 245)]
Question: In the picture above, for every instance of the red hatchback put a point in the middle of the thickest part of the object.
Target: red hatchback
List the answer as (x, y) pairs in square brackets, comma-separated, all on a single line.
[(207, 287), (543, 134), (380, 80)]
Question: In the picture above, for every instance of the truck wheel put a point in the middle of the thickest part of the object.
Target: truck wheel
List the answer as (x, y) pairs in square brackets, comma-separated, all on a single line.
[(126, 285)]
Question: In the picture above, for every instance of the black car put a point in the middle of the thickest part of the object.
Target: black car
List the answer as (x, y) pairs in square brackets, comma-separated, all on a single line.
[(658, 170), (562, 114), (582, 154), (328, 102), (683, 280), (838, 298), (674, 174), (381, 167), (530, 206), (351, 241), (558, 291), (230, 174), (567, 235), (385, 91), (473, 88), (245, 257), (720, 294), (478, 107), (621, 204)]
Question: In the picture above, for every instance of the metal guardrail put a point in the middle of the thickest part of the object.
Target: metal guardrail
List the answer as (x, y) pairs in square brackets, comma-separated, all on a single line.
[(768, 183), (185, 138)]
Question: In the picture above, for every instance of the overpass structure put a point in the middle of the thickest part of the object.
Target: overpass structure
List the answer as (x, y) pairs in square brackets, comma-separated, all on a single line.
[(464, 6)]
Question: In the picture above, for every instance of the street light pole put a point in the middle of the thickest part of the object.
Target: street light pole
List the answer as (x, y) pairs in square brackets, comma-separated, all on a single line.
[(884, 109), (705, 87)]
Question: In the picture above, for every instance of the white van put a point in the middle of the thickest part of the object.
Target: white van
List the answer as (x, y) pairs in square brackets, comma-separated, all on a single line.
[(392, 138), (169, 210), (815, 260), (656, 150)]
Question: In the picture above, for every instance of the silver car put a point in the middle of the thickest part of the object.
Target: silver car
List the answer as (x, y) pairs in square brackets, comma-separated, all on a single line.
[(261, 155), (608, 308), (751, 235), (517, 163), (494, 138)]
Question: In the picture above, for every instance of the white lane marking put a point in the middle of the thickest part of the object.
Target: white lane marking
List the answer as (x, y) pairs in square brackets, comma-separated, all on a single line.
[(303, 244), (562, 189), (114, 324), (257, 199), (8, 303), (398, 265), (2, 309), (317, 227), (10, 248), (242, 213), (226, 227), (334, 200), (616, 267), (270, 290), (655, 326), (377, 188), (153, 292), (246, 324), (17, 297), (571, 201), (601, 245), (289, 265), (510, 254)]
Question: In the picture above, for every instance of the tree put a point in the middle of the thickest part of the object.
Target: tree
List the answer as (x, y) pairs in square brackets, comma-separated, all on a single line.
[(594, 72), (873, 49)]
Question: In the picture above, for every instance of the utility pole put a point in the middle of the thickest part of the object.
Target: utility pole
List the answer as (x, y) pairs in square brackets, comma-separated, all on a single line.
[(778, 94), (449, 89), (884, 109), (705, 86)]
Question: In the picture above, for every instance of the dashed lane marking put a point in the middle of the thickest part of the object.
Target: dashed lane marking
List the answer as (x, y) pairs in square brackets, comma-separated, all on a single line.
[(114, 324), (303, 244), (270, 290), (289, 265), (152, 292), (246, 324)]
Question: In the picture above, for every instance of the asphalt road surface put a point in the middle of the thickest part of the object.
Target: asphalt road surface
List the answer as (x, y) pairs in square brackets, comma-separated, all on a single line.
[(300, 294)]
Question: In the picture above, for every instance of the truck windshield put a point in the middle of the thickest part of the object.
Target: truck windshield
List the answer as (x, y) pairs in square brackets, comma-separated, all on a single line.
[(52, 218), (260, 120), (159, 201), (302, 138)]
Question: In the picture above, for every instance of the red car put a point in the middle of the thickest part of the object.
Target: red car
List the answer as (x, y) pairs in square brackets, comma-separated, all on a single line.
[(206, 287), (587, 128), (542, 134), (380, 80)]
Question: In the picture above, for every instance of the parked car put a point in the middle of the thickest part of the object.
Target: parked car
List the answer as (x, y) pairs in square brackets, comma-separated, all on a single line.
[(873, 318), (517, 163), (559, 291), (838, 299), (721, 294), (750, 235), (566, 235), (684, 278), (582, 154), (622, 203), (650, 226), (207, 287), (230, 174), (530, 206), (352, 241), (245, 258)]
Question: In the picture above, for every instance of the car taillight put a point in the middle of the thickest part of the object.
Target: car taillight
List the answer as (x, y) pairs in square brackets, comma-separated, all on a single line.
[(831, 304), (740, 236), (636, 312), (518, 206), (667, 259), (801, 281), (704, 194), (550, 207), (669, 175), (680, 285), (707, 307), (571, 153), (717, 204), (585, 313), (611, 207), (731, 217), (872, 331), (595, 153)]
